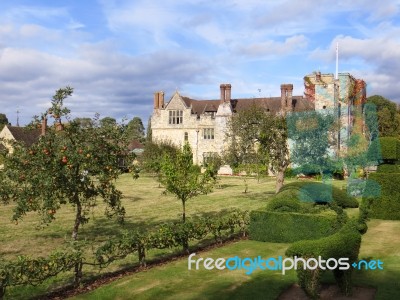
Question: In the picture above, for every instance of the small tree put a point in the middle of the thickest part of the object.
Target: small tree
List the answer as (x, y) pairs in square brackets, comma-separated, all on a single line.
[(184, 179)]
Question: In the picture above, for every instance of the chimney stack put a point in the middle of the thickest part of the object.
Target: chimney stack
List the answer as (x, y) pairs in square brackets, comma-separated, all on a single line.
[(286, 97), (222, 89), (44, 125), (156, 100), (228, 89), (160, 99)]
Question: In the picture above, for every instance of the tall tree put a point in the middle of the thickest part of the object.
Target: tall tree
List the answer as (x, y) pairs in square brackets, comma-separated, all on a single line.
[(84, 122), (108, 122), (388, 116), (135, 129), (3, 121), (310, 148), (257, 136)]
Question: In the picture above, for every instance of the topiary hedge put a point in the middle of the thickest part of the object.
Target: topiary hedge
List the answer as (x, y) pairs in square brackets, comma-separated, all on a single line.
[(287, 227), (388, 168), (321, 193), (390, 149), (383, 192), (343, 244)]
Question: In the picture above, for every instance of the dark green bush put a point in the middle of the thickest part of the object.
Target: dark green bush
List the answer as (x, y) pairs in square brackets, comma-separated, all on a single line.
[(388, 168), (345, 243), (390, 149), (383, 191), (322, 193), (288, 200), (286, 227)]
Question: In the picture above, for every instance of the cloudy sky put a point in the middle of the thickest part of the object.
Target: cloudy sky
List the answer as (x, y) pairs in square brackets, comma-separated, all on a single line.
[(117, 53)]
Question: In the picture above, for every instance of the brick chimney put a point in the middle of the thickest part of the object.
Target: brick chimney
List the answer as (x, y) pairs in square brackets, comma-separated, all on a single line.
[(44, 125), (222, 89), (228, 89), (156, 100), (160, 99), (286, 97)]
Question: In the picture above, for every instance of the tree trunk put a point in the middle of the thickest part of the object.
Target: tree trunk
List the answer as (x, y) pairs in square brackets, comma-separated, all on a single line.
[(280, 177), (184, 211), (77, 220)]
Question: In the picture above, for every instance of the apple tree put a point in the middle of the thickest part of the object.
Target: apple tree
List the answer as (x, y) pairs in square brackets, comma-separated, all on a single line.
[(69, 165)]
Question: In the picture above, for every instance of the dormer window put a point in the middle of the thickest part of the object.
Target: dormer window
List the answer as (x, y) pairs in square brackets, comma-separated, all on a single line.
[(175, 117)]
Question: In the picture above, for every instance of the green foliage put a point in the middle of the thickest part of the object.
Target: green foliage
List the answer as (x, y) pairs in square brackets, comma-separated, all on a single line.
[(184, 179), (289, 173), (108, 122), (322, 193), (68, 165), (390, 147), (135, 130), (382, 190), (32, 271), (153, 155), (287, 227), (388, 117), (289, 200), (310, 133), (388, 168), (258, 138), (3, 121), (173, 234), (345, 243)]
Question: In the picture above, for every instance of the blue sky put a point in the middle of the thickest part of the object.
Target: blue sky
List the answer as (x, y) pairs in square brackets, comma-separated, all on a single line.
[(117, 53)]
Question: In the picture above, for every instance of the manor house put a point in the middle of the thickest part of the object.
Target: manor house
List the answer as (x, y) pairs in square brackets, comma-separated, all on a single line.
[(203, 123)]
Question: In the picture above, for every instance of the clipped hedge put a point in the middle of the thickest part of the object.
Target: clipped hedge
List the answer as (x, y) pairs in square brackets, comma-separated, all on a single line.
[(383, 192), (287, 227), (343, 244), (388, 168), (390, 148), (321, 193)]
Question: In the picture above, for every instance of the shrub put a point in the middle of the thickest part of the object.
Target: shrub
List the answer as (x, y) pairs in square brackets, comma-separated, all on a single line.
[(285, 227), (287, 200), (388, 168), (345, 243), (322, 193), (390, 148), (383, 192)]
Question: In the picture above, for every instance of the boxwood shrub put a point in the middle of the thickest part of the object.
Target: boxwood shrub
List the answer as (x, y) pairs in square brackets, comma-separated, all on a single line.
[(322, 193), (383, 192), (388, 168), (390, 148), (287, 227), (345, 243)]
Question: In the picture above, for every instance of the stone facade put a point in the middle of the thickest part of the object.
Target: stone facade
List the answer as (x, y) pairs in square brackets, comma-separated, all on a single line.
[(203, 123)]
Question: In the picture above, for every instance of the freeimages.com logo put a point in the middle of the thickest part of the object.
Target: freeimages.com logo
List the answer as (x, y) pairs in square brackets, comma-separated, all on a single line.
[(249, 265)]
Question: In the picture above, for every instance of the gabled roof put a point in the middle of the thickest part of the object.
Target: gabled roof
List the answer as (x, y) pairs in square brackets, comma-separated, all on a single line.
[(272, 104), (135, 144), (25, 135)]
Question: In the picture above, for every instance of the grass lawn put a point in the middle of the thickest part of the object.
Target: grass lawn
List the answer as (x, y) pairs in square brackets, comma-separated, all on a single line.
[(175, 281), (146, 206)]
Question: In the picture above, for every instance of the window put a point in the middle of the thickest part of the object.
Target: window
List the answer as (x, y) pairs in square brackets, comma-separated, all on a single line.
[(208, 133), (209, 157), (175, 116), (186, 137)]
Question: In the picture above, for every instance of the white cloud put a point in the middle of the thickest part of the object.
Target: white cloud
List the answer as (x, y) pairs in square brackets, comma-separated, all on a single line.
[(272, 48)]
